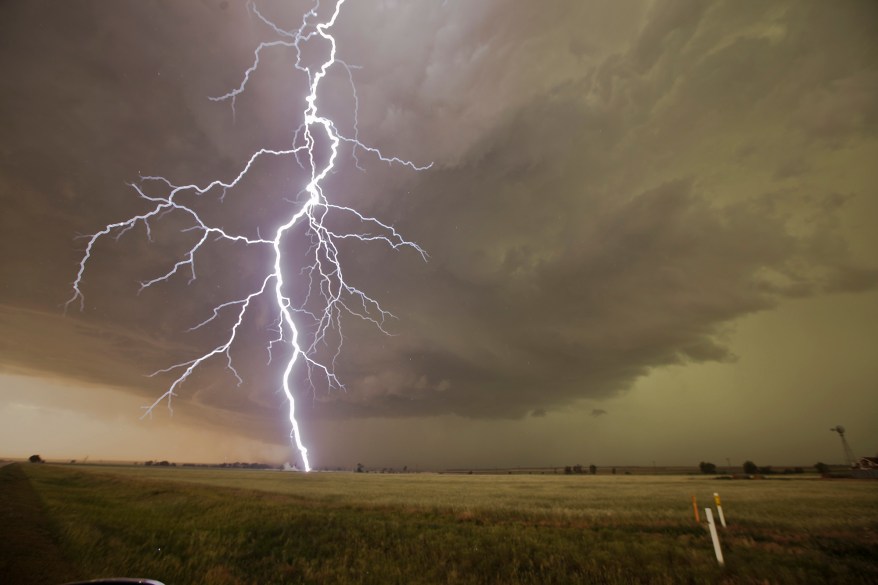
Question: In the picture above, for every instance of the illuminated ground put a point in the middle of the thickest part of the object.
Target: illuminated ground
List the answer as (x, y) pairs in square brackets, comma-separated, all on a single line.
[(219, 526)]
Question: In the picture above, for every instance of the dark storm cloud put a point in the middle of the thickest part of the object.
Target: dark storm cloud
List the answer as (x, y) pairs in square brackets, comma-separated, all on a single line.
[(583, 311), (574, 234)]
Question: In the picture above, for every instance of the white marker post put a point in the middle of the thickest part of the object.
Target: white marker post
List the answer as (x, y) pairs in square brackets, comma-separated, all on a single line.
[(714, 536), (719, 509)]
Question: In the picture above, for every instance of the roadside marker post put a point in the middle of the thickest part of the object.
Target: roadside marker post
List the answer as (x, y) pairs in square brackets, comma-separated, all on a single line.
[(719, 509), (695, 509), (714, 536)]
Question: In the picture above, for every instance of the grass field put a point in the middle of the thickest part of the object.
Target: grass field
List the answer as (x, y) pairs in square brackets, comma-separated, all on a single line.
[(234, 526)]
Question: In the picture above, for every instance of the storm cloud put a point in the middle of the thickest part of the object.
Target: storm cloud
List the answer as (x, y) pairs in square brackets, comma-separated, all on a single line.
[(614, 184)]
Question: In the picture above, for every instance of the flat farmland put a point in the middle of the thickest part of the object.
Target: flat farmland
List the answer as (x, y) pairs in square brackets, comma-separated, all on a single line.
[(197, 525)]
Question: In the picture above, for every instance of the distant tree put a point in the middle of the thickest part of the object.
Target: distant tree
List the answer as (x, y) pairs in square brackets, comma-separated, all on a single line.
[(360, 468), (148, 463), (614, 471), (592, 469), (35, 459), (577, 469), (821, 468), (707, 467), (767, 470), (568, 470), (750, 468)]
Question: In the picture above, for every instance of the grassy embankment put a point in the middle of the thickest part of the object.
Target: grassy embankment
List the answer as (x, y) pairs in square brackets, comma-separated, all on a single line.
[(215, 526)]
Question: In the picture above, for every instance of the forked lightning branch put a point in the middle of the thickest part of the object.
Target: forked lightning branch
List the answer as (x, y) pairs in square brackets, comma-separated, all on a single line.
[(315, 147)]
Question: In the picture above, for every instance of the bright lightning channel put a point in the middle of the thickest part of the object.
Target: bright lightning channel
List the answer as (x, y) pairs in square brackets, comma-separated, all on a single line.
[(324, 274)]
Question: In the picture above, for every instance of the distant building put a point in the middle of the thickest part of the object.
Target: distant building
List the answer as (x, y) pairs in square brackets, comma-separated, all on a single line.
[(866, 468)]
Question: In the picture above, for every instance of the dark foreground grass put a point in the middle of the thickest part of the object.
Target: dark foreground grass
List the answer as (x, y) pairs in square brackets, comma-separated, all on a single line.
[(179, 532), (26, 537)]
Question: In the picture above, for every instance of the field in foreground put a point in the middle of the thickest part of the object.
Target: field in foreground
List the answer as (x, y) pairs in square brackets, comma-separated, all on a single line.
[(221, 526)]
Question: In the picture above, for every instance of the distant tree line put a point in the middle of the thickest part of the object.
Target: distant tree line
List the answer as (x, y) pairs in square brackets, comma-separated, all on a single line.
[(707, 467), (751, 468), (235, 465), (238, 465), (577, 469)]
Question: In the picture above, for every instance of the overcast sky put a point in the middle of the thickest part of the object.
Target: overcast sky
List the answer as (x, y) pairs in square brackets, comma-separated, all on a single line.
[(650, 228)]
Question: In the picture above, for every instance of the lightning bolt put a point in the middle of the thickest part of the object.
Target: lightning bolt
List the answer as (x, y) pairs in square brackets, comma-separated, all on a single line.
[(300, 326)]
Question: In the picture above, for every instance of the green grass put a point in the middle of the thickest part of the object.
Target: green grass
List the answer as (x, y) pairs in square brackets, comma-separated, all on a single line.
[(230, 526)]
